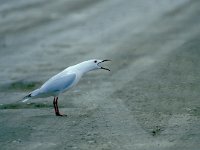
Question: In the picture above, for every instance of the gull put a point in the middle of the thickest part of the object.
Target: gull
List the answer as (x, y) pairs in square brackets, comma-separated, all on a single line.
[(63, 81)]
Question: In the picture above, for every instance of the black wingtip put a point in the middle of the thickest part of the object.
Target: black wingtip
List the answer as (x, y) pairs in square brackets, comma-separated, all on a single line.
[(27, 96)]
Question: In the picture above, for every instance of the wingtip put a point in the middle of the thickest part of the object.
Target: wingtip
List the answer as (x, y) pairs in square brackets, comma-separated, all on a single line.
[(26, 98)]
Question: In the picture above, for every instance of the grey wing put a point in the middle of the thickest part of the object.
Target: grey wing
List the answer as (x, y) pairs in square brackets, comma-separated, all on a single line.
[(58, 84)]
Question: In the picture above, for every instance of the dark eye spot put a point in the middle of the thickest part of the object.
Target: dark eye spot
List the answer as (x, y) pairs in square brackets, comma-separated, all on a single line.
[(95, 61)]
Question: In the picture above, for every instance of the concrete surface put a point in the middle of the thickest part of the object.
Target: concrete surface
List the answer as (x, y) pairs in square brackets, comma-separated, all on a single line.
[(150, 99)]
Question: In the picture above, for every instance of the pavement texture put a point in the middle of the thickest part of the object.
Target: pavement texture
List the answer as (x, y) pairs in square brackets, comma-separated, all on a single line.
[(149, 100)]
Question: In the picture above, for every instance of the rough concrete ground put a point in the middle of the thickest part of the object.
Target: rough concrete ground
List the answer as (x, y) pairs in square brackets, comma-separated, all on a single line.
[(150, 99)]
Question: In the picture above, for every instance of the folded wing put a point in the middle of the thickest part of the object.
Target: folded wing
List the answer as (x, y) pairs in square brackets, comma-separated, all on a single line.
[(58, 84)]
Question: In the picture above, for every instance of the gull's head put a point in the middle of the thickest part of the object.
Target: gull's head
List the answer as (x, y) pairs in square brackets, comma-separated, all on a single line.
[(94, 64)]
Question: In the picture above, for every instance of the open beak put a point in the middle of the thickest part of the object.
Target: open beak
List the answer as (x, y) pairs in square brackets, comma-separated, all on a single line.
[(103, 67)]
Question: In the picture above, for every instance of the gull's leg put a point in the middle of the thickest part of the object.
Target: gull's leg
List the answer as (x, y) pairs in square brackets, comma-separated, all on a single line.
[(56, 107)]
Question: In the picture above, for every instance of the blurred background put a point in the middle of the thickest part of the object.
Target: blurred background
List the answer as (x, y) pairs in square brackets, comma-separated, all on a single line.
[(149, 100)]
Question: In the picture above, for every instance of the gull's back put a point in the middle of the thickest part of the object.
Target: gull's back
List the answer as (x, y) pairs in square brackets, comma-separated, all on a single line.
[(59, 83)]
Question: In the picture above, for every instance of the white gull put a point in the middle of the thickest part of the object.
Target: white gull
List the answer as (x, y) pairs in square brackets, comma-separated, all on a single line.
[(64, 80)]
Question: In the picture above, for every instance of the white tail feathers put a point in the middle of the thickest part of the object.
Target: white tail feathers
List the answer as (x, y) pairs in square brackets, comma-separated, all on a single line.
[(33, 94), (24, 100)]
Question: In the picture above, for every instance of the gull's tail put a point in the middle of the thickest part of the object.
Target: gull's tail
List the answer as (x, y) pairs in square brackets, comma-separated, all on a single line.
[(26, 98), (31, 95)]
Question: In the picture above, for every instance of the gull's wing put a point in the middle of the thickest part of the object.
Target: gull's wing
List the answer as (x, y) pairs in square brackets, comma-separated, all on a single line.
[(58, 84)]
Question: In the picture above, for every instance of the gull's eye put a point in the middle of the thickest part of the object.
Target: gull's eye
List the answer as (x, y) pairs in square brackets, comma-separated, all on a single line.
[(95, 61)]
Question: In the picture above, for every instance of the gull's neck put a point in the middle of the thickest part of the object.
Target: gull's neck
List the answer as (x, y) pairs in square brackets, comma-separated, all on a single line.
[(83, 67)]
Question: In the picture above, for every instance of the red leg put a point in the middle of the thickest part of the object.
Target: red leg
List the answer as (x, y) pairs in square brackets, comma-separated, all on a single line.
[(55, 104)]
